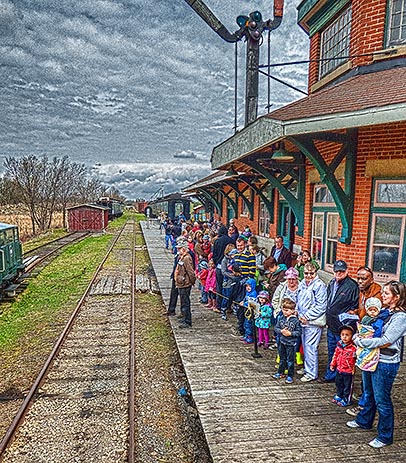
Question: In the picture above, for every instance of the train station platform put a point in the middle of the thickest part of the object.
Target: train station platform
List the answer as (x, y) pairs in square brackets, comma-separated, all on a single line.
[(249, 417)]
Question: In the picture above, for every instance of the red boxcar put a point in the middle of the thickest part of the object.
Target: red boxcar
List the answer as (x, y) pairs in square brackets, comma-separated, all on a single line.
[(87, 217)]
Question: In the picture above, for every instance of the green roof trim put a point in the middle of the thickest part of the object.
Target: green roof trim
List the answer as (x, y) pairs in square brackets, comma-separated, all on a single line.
[(304, 8), (325, 15)]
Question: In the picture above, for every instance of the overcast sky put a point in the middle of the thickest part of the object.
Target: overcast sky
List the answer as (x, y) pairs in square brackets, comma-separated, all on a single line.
[(123, 85)]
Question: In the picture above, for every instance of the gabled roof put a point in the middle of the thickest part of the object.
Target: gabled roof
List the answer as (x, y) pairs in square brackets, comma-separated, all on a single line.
[(93, 206), (372, 90)]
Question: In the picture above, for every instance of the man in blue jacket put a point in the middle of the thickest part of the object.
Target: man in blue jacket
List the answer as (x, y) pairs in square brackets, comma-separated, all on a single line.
[(342, 296)]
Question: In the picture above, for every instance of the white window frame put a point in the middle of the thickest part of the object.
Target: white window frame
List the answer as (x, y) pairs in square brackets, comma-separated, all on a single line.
[(400, 36), (329, 267), (322, 214), (264, 220), (388, 204), (335, 42), (382, 276)]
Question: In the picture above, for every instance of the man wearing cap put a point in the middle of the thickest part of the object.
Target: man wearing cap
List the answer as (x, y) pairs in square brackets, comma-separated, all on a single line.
[(185, 278), (281, 253), (342, 296)]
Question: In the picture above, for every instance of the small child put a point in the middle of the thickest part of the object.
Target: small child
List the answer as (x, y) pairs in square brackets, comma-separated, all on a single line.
[(242, 313), (210, 286), (375, 316), (344, 362), (202, 273), (289, 329), (264, 320)]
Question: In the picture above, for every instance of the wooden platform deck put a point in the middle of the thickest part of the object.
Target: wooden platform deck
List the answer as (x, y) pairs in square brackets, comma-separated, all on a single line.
[(246, 415)]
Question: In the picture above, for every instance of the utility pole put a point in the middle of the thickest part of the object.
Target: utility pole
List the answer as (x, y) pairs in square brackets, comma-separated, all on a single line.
[(251, 28)]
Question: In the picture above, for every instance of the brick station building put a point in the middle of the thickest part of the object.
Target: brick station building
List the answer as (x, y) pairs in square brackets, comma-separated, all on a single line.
[(328, 172)]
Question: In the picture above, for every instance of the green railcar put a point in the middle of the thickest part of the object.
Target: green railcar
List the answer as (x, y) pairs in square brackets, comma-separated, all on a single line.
[(11, 255)]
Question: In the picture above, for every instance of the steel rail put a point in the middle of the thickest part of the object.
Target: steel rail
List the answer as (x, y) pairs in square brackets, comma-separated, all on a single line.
[(49, 242), (57, 346), (53, 251), (131, 404)]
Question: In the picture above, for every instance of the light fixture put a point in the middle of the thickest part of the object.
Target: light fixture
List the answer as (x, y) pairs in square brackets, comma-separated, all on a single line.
[(283, 155)]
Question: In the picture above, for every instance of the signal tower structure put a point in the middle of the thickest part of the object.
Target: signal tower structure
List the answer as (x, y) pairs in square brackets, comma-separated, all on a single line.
[(251, 28)]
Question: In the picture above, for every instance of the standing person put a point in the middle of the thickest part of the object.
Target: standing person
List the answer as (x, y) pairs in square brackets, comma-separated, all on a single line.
[(274, 275), (287, 289), (302, 259), (342, 296), (264, 320), (244, 259), (311, 305), (260, 257), (228, 278), (343, 363), (184, 279), (378, 384), (168, 225), (368, 288), (281, 252), (243, 314), (288, 328), (233, 232), (218, 253), (210, 287)]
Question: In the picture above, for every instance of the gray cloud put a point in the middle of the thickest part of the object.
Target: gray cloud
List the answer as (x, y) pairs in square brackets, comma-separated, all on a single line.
[(130, 82)]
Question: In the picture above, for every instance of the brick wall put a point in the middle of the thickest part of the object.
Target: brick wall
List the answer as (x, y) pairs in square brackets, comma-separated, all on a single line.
[(367, 35)]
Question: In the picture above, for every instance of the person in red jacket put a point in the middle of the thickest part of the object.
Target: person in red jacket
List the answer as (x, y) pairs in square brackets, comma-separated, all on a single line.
[(344, 363)]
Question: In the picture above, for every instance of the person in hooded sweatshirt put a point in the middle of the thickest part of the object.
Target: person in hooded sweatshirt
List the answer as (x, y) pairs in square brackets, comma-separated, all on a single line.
[(218, 253), (244, 314)]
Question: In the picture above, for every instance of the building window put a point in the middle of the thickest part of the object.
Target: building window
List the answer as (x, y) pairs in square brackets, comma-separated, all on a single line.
[(397, 23), (322, 196), (386, 246), (325, 238), (335, 42), (317, 236), (264, 220), (390, 193), (331, 240)]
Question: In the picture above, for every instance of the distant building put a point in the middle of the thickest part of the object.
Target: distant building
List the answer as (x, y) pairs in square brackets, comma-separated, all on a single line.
[(173, 205), (87, 217), (328, 172)]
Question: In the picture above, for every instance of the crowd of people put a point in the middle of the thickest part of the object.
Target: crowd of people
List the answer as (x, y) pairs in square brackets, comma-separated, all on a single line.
[(286, 307)]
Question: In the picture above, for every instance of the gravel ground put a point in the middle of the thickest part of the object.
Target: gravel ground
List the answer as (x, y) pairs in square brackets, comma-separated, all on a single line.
[(167, 426)]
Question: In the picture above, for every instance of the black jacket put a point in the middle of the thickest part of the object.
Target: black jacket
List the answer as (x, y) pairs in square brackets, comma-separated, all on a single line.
[(220, 244), (346, 298)]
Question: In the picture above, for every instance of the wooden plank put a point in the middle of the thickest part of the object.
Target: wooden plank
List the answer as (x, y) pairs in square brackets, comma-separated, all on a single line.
[(248, 416)]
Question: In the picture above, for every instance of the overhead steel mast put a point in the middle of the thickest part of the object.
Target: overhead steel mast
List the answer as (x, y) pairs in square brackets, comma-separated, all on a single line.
[(251, 28)]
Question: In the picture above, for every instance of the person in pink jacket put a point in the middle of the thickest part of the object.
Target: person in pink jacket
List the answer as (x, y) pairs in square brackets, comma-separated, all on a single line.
[(210, 286)]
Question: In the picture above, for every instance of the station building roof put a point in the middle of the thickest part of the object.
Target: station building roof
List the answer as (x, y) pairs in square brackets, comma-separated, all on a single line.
[(366, 99)]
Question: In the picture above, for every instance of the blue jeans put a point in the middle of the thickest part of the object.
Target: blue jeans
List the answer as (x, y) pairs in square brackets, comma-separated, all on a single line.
[(168, 241), (332, 340), (377, 395)]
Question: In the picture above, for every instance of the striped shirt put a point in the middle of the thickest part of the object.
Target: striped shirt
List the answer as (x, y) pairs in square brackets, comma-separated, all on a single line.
[(246, 262)]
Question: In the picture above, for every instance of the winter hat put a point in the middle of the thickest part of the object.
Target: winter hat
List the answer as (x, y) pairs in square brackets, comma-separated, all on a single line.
[(206, 237), (182, 244), (203, 264), (373, 302), (291, 273), (233, 252), (264, 294)]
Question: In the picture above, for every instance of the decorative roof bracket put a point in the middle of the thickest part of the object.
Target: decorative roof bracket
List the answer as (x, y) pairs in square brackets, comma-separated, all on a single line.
[(343, 197), (234, 186), (269, 204), (297, 204), (209, 196)]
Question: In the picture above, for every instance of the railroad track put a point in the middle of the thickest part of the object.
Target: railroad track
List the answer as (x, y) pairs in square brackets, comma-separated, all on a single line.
[(81, 406)]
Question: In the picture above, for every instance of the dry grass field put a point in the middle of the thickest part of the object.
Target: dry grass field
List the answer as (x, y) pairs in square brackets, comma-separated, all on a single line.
[(18, 215)]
